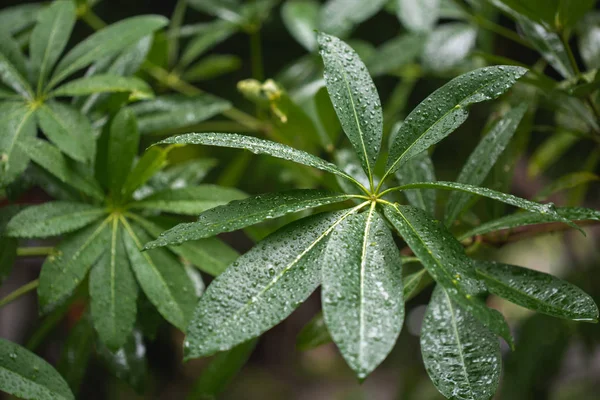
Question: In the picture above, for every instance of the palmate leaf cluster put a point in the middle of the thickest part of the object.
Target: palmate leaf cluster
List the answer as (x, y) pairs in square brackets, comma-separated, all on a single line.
[(352, 253)]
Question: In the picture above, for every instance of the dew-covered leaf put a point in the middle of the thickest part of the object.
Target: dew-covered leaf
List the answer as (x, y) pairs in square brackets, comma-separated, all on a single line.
[(49, 38), (17, 122), (262, 287), (301, 19), (418, 15), (339, 17), (129, 363), (123, 143), (171, 112), (66, 268), (483, 158), (52, 219), (151, 162), (537, 291), (27, 376), (418, 169), (354, 98), (162, 278), (13, 70), (242, 213), (461, 356), (68, 129), (190, 200), (256, 146), (105, 83), (113, 292), (105, 42), (362, 290), (446, 109), (445, 260), (18, 17), (415, 282)]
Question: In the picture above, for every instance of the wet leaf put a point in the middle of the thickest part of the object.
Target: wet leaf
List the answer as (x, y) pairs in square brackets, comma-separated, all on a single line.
[(13, 70), (150, 163), (17, 122), (123, 143), (129, 363), (418, 169), (301, 18)]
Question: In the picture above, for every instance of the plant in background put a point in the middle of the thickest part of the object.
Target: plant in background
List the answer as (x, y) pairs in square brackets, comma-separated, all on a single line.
[(351, 253)]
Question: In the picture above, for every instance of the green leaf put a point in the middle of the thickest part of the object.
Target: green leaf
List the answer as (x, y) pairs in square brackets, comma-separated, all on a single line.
[(16, 18), (396, 53), (128, 363), (262, 287), (212, 34), (191, 200), (550, 151), (64, 270), (212, 66), (17, 124), (570, 12), (362, 290), (151, 162), (210, 255), (113, 292), (227, 10), (123, 143), (242, 213), (52, 219), (175, 111), (50, 158), (537, 291), (544, 209), (76, 353), (446, 109), (528, 218), (445, 260), (448, 46), (301, 19), (339, 17), (354, 98), (460, 355), (549, 45), (313, 334), (68, 129), (8, 255), (13, 68), (415, 282), (483, 158), (541, 11), (419, 168), (28, 376), (49, 38), (105, 83), (106, 42), (589, 38), (567, 181), (256, 146), (161, 277), (418, 16), (215, 377)]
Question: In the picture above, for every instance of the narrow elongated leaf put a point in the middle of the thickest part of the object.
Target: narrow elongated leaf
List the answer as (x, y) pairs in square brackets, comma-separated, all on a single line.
[(544, 209), (589, 37), (18, 123), (301, 19), (445, 260), (550, 151), (362, 290), (419, 168), (49, 38), (541, 11), (28, 376), (221, 370), (161, 277), (256, 146), (128, 363), (354, 98), (210, 255), (113, 292), (448, 46), (175, 111), (16, 18), (191, 200), (549, 45), (395, 54), (64, 270), (68, 129), (537, 291), (262, 287), (13, 69), (212, 66), (313, 334), (460, 355), (415, 282), (212, 34), (446, 109), (76, 353), (227, 10), (418, 15), (242, 213), (339, 17), (106, 42), (123, 143), (565, 182), (52, 219), (105, 83), (483, 158), (151, 162)]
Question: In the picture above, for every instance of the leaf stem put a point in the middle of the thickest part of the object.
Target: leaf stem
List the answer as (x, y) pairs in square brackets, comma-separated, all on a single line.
[(256, 56), (174, 29), (34, 251), (92, 19), (23, 290)]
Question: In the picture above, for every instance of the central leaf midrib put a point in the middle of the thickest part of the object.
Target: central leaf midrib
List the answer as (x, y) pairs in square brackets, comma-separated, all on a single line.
[(363, 259), (113, 265)]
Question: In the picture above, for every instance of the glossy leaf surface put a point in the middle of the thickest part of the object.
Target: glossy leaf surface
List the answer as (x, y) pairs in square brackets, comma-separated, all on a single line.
[(105, 83), (18, 122)]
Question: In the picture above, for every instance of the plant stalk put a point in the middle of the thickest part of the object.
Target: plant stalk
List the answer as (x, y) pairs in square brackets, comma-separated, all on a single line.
[(23, 290), (34, 251)]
